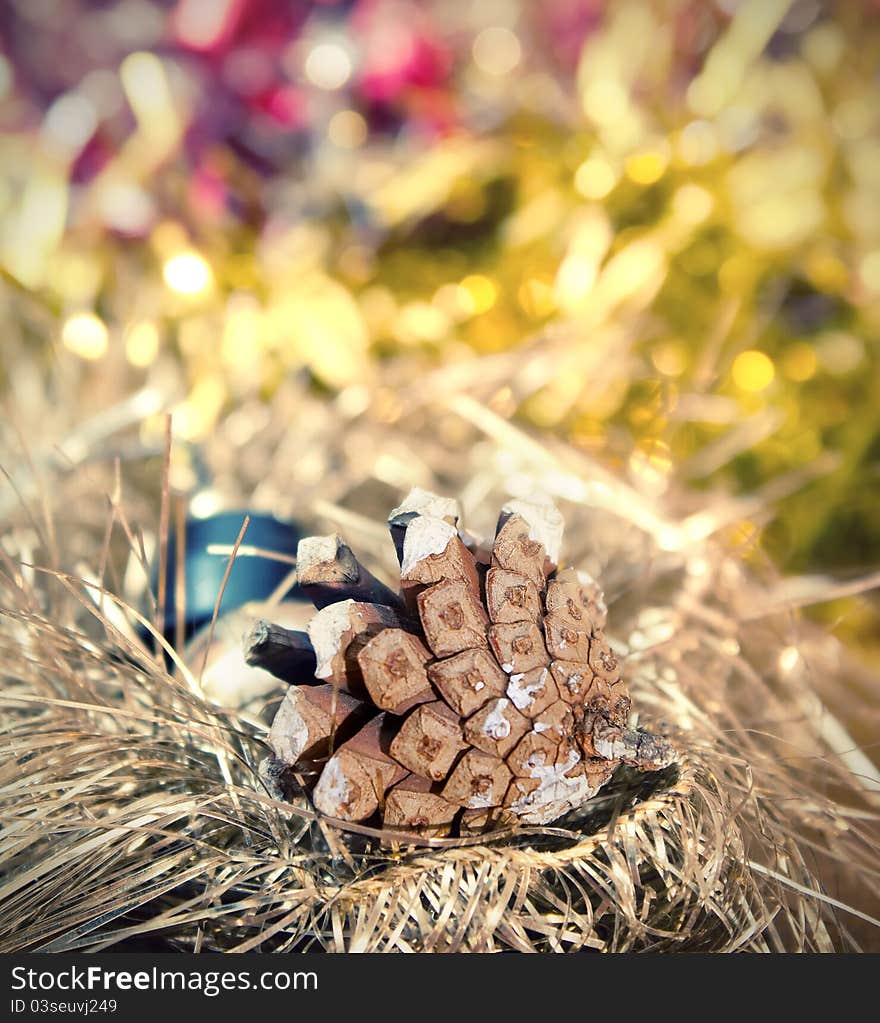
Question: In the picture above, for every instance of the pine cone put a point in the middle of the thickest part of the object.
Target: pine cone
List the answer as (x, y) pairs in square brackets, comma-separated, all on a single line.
[(482, 693)]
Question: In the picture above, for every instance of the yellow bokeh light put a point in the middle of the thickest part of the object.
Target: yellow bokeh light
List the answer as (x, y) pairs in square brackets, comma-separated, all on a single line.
[(74, 276), (640, 265), (575, 279), (669, 358), (692, 204), (605, 100), (646, 167), (148, 92), (168, 237), (421, 321), (28, 239), (454, 300), (194, 417), (347, 129), (85, 335), (650, 465), (319, 324), (595, 178), (823, 46), (481, 291), (379, 308), (799, 362), (142, 343), (752, 371), (187, 273), (241, 346), (752, 25)]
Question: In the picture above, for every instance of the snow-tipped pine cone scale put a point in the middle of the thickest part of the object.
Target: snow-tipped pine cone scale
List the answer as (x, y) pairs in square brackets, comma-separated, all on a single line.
[(483, 693)]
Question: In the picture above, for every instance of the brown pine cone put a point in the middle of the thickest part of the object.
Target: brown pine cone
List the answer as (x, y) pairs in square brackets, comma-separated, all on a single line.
[(484, 692)]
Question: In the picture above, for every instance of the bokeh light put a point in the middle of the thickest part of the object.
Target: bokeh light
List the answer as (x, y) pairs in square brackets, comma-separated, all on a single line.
[(480, 293), (595, 178), (348, 129), (187, 273), (85, 335), (328, 66), (752, 371), (646, 166), (142, 343), (497, 50)]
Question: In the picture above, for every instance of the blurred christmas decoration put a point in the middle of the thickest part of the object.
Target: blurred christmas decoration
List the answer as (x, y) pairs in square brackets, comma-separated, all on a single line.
[(254, 576), (681, 197)]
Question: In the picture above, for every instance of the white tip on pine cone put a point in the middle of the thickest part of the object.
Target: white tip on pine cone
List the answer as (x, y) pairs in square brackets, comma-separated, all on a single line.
[(423, 502), (425, 535), (556, 793), (545, 522), (326, 550), (523, 696), (326, 629), (608, 748), (478, 802), (332, 789), (573, 682), (289, 734), (496, 725)]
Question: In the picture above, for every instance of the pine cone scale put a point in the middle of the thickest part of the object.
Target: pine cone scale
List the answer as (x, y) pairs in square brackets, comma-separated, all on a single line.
[(468, 680)]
